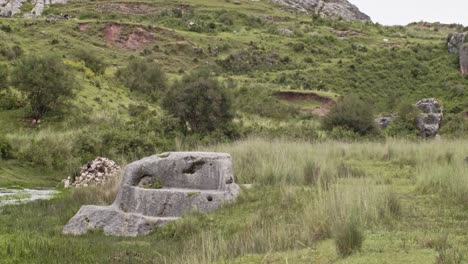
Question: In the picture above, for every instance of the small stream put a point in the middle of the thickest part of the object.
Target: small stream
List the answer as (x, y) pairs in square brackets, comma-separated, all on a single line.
[(12, 196)]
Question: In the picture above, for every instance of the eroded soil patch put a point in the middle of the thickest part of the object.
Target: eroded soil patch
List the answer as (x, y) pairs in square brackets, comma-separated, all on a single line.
[(128, 37), (298, 97)]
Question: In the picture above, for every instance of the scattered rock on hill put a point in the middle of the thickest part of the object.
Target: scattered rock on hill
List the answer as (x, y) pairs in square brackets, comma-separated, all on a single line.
[(455, 41), (95, 172), (330, 8), (430, 119), (383, 122), (159, 189)]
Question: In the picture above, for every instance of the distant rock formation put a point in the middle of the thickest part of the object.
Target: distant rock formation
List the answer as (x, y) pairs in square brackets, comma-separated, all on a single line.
[(327, 8), (455, 41), (9, 8), (429, 121), (464, 59), (159, 189)]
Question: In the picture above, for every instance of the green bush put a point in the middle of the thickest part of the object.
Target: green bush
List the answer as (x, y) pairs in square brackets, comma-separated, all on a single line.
[(405, 123), (92, 60), (6, 151), (143, 76), (11, 53), (3, 77), (9, 100), (200, 103), (46, 82), (351, 113)]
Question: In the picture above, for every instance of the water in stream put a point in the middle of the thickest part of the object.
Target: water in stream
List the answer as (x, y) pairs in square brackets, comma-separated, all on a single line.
[(12, 196)]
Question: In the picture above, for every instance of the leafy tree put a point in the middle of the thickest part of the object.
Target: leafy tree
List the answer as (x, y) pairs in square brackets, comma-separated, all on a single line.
[(143, 76), (200, 103), (46, 81), (351, 113)]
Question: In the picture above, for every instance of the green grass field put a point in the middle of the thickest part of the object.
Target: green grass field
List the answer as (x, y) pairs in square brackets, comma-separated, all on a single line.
[(408, 198)]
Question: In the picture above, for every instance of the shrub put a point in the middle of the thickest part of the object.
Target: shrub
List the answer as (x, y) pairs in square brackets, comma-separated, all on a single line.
[(405, 123), (144, 76), (9, 100), (11, 53), (351, 113), (92, 60), (3, 77), (348, 237), (200, 103), (46, 81), (6, 151)]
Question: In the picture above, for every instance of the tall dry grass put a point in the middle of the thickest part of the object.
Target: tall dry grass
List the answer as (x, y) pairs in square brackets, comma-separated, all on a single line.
[(303, 193)]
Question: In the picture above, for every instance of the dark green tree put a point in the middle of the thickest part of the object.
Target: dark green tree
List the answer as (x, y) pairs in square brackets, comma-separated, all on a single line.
[(200, 103), (45, 80)]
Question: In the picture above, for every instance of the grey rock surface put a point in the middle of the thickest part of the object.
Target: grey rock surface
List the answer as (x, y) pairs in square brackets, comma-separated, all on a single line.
[(9, 8), (455, 41), (159, 189), (429, 121), (327, 8), (464, 59)]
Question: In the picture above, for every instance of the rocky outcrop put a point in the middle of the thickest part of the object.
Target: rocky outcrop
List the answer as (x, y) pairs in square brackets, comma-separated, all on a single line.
[(95, 172), (159, 189), (464, 59), (9, 8), (429, 121), (327, 8), (455, 41)]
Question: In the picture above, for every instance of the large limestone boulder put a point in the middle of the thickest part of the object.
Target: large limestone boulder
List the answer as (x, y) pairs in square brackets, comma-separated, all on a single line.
[(455, 41), (327, 8), (159, 189), (429, 121)]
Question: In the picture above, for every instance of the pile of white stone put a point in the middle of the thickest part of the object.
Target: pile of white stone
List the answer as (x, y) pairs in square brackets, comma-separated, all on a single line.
[(95, 172)]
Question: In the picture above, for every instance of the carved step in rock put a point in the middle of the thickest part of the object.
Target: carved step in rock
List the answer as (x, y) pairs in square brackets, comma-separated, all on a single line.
[(159, 189)]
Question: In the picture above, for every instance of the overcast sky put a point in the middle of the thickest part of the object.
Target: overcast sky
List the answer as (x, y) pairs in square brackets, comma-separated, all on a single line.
[(402, 12)]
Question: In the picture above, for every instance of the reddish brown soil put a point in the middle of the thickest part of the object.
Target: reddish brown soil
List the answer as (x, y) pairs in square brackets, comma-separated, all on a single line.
[(325, 103), (84, 26), (128, 37), (128, 8)]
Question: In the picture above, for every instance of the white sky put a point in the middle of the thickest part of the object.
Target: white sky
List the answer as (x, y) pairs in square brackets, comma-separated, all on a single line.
[(402, 12)]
